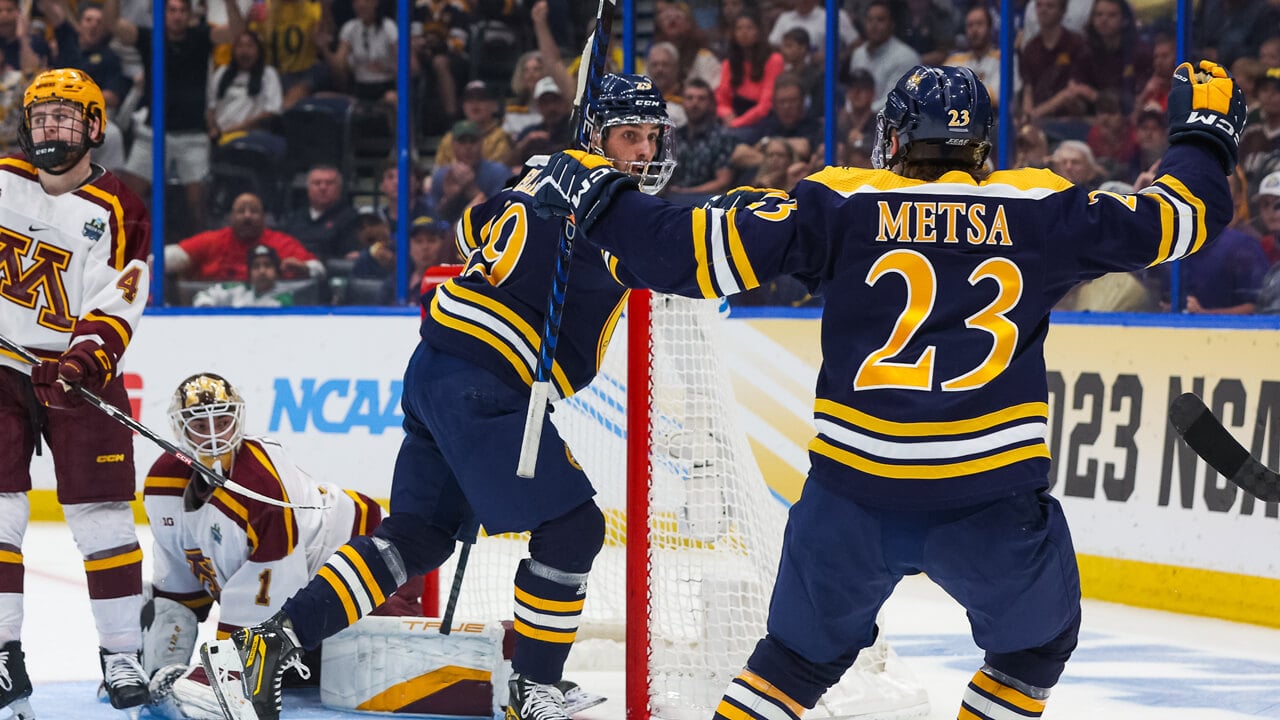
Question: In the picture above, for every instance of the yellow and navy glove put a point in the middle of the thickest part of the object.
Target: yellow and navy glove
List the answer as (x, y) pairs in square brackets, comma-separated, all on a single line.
[(739, 197), (578, 185), (1206, 106)]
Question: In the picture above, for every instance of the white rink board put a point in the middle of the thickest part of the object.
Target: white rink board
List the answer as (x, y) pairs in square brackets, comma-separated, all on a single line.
[(328, 388)]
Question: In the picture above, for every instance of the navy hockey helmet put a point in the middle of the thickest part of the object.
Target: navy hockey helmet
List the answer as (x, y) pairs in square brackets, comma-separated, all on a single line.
[(940, 114), (630, 100)]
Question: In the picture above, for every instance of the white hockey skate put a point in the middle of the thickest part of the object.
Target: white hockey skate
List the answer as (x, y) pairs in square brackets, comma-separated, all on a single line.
[(15, 685), (576, 699)]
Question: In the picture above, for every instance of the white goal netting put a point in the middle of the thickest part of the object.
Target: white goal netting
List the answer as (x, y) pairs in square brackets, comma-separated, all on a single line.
[(715, 527)]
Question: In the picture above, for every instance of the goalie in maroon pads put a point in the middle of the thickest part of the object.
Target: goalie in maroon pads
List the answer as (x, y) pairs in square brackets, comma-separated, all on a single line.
[(212, 545), (932, 405), (73, 248)]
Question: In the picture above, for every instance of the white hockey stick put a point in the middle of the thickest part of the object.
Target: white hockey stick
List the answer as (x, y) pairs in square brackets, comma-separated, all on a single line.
[(590, 70), (213, 478)]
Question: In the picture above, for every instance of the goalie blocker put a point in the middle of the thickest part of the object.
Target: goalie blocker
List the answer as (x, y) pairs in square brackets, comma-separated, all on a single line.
[(404, 665)]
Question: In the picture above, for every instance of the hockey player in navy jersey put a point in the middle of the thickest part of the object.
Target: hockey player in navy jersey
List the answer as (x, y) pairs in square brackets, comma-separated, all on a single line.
[(466, 393), (931, 409)]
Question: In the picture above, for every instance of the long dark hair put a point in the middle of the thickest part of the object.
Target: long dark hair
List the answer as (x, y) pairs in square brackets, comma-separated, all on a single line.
[(255, 72), (757, 55)]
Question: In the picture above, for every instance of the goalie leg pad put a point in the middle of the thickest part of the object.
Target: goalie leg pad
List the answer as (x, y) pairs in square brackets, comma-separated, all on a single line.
[(181, 692), (404, 665), (168, 634)]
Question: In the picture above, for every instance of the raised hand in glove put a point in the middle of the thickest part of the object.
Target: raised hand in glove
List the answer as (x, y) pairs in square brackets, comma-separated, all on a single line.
[(86, 364), (1206, 106), (738, 197), (580, 185)]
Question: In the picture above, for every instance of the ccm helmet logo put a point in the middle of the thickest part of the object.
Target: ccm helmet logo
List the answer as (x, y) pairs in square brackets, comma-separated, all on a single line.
[(1214, 120)]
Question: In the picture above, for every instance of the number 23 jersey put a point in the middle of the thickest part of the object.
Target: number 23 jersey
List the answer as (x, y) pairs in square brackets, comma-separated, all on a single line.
[(932, 389)]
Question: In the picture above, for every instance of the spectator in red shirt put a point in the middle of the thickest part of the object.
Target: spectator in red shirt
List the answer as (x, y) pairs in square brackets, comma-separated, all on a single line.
[(745, 95), (220, 254)]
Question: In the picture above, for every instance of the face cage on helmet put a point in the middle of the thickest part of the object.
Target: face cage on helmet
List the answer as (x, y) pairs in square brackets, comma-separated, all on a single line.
[(652, 174), (52, 154), (209, 445)]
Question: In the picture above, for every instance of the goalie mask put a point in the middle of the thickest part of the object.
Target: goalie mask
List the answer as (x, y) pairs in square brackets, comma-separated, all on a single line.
[(631, 100), (207, 416), (63, 116), (939, 114)]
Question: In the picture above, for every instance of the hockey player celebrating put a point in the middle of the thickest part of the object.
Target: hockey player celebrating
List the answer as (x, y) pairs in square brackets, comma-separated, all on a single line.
[(466, 394), (931, 401), (73, 251), (212, 545)]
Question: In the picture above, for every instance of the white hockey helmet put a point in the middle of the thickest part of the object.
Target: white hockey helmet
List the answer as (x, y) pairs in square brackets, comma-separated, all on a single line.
[(207, 416)]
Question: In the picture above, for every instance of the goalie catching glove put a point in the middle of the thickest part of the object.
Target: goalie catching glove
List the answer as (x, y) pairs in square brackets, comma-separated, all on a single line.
[(86, 363), (1206, 106), (578, 185)]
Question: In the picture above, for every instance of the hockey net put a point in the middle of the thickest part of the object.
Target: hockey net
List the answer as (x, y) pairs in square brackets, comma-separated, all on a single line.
[(685, 593)]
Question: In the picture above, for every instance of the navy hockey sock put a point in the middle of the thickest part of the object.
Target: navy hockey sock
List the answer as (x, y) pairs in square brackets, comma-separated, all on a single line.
[(359, 577), (547, 612)]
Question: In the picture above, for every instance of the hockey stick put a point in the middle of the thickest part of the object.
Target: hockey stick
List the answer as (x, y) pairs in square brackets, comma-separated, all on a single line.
[(1204, 434), (590, 70), (123, 418), (446, 621)]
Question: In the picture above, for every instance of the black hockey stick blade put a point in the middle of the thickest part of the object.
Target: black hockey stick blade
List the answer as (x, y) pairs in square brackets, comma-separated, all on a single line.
[(1205, 435)]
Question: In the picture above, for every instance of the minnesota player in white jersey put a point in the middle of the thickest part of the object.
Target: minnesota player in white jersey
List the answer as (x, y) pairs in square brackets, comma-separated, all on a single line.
[(931, 451), (73, 284), (212, 545)]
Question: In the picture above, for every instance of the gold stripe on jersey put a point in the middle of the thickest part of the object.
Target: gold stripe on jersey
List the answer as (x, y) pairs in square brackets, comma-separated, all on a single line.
[(497, 325), (362, 512), (24, 167), (1024, 182), (906, 471), (1024, 411), (358, 564), (340, 589), (238, 512), (1167, 226), (290, 526), (126, 558), (11, 557), (602, 344), (1197, 207), (464, 237), (121, 329), (118, 241), (159, 482), (739, 253), (703, 273)]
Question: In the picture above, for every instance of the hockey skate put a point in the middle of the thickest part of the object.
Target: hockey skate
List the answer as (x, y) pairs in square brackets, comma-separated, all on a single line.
[(15, 685), (124, 683), (576, 699), (529, 700), (246, 671)]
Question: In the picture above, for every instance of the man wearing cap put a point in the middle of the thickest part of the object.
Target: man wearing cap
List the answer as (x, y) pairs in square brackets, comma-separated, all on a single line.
[(1267, 218), (430, 244), (1260, 143), (261, 289), (480, 107), (550, 135), (489, 176)]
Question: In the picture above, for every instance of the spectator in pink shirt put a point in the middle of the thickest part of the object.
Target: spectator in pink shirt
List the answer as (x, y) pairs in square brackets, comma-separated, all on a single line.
[(745, 94)]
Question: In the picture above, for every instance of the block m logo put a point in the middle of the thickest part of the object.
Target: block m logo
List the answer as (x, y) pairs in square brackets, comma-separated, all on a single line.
[(45, 266)]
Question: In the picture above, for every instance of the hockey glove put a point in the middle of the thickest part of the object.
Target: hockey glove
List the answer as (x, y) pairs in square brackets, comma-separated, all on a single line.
[(87, 364), (49, 390), (1206, 106), (738, 197), (578, 185)]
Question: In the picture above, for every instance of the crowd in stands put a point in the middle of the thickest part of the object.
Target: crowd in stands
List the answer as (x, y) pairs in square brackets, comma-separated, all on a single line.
[(280, 118)]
